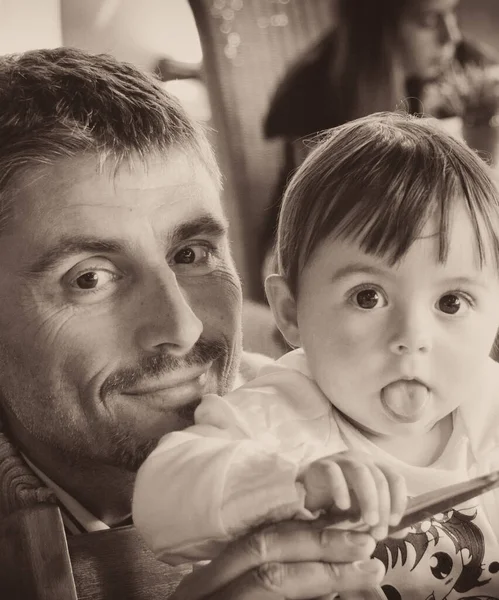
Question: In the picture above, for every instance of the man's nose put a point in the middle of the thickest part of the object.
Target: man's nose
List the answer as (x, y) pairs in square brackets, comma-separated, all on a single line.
[(410, 334), (167, 319)]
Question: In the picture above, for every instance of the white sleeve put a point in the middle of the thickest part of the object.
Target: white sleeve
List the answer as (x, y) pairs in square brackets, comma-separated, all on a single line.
[(232, 470)]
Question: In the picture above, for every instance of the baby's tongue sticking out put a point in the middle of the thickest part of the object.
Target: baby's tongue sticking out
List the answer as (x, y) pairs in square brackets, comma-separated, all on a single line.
[(405, 401)]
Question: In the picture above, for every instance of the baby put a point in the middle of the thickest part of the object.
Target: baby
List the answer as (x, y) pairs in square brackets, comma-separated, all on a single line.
[(388, 288)]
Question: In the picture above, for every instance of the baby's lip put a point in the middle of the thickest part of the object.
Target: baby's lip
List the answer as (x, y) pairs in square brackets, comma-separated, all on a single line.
[(414, 378)]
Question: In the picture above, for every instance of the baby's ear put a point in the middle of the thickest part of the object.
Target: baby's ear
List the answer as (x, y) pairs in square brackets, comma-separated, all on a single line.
[(283, 305)]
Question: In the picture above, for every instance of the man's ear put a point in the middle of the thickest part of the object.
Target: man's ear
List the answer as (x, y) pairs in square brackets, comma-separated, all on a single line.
[(283, 305)]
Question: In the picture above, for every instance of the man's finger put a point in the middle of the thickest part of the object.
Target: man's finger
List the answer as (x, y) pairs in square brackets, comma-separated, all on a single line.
[(298, 581), (370, 594), (288, 542)]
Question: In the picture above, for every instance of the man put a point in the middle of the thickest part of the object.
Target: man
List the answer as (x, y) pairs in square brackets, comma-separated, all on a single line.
[(120, 307)]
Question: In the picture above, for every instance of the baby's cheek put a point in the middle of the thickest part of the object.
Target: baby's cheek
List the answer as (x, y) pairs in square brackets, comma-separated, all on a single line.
[(360, 338)]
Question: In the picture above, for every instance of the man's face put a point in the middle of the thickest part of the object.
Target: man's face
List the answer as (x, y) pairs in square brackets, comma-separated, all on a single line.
[(430, 33), (120, 306)]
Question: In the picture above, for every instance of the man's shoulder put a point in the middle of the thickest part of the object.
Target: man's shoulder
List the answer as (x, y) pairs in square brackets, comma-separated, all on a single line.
[(250, 365)]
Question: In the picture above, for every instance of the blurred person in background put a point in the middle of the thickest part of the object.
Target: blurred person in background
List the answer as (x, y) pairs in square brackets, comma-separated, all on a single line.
[(383, 55)]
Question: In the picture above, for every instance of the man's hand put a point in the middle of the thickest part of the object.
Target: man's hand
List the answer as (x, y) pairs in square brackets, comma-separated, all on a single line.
[(292, 560), (352, 481)]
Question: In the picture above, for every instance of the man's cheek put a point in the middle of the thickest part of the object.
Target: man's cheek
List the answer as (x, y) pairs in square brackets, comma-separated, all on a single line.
[(43, 327), (219, 301)]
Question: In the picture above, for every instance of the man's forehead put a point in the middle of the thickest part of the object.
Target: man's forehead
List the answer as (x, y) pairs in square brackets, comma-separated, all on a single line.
[(134, 173), (141, 210), (179, 182)]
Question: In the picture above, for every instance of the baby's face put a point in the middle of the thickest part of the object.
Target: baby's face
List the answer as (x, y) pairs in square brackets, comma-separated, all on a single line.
[(397, 348)]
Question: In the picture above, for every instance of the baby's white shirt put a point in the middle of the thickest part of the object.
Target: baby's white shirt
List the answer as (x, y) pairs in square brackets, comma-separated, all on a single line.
[(239, 466)]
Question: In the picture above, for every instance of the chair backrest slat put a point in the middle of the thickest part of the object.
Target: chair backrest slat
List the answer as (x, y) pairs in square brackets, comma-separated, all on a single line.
[(34, 559), (117, 564), (38, 562), (247, 46)]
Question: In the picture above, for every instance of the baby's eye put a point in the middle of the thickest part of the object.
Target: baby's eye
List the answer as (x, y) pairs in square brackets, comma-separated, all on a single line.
[(368, 298), (452, 304)]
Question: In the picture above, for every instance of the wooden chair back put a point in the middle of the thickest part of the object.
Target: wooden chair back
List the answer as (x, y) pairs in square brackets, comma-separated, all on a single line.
[(247, 45), (38, 562)]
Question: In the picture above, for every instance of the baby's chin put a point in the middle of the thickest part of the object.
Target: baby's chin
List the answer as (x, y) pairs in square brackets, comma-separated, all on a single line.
[(381, 427)]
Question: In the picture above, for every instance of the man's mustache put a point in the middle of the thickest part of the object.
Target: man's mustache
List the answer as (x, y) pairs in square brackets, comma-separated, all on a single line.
[(203, 352)]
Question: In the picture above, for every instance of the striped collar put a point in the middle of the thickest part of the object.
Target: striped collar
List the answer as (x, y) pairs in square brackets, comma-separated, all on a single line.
[(76, 518)]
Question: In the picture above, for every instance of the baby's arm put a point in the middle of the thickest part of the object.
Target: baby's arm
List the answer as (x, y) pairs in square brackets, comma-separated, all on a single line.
[(353, 482), (236, 468)]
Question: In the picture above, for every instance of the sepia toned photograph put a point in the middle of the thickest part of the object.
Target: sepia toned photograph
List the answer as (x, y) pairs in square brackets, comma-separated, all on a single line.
[(249, 299)]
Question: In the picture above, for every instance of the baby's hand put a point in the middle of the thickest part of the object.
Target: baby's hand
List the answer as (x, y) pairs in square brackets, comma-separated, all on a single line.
[(352, 481)]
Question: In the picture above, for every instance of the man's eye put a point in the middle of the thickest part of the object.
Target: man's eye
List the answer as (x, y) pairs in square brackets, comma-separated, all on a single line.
[(91, 280), (451, 304), (192, 255), (368, 298)]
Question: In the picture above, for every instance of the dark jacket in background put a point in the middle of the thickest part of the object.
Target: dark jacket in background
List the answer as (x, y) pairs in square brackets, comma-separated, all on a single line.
[(305, 101)]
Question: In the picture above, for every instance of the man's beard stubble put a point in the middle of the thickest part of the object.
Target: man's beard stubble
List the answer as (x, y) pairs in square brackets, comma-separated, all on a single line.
[(129, 453), (150, 367)]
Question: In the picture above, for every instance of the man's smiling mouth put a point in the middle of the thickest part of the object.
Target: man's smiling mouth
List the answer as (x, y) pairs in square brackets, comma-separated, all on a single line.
[(170, 393)]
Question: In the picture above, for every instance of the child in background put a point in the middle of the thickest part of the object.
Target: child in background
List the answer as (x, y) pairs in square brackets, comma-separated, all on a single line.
[(388, 288)]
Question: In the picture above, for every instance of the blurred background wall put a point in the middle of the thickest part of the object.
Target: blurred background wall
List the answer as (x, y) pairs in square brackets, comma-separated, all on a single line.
[(27, 24), (480, 20), (138, 31)]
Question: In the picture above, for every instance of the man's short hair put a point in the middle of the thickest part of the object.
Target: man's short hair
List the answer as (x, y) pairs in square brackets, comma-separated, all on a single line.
[(378, 180), (63, 102)]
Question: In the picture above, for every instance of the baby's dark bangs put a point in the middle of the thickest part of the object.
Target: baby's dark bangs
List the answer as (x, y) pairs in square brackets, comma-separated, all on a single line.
[(395, 211), (386, 206)]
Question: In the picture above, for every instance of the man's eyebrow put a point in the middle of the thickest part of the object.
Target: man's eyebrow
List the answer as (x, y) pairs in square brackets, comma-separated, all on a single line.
[(71, 245), (358, 268), (203, 225), (68, 246)]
